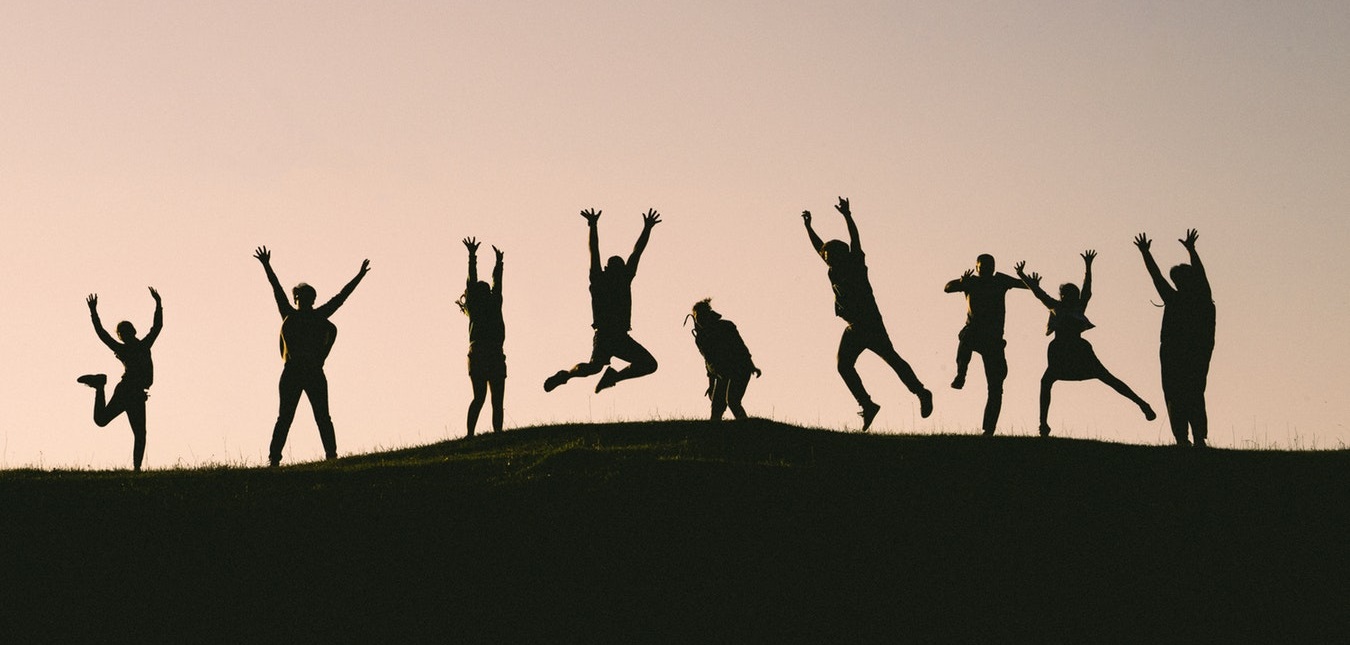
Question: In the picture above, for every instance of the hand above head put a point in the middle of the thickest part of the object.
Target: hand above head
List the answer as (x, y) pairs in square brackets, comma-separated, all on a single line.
[(365, 267), (1189, 242), (967, 273), (591, 215), (1034, 279), (651, 218), (92, 301), (498, 252), (1141, 240), (806, 217), (842, 207), (1019, 268), (471, 244), (1088, 256), (154, 294), (263, 255)]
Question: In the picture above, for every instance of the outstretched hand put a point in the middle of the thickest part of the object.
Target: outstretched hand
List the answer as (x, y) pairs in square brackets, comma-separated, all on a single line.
[(842, 207), (1141, 240), (967, 273), (154, 294), (263, 255), (92, 301), (806, 217), (1032, 280), (1191, 236), (499, 254), (651, 218), (1088, 256), (592, 216), (365, 268), (471, 244), (1019, 268)]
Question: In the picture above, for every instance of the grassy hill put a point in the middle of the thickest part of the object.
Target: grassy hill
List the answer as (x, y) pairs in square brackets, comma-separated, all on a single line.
[(690, 532)]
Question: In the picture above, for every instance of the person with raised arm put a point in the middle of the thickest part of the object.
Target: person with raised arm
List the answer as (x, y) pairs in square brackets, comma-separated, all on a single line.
[(983, 333), (138, 374), (725, 357), (856, 304), (1186, 342), (612, 313), (307, 336), (1069, 356), (482, 303)]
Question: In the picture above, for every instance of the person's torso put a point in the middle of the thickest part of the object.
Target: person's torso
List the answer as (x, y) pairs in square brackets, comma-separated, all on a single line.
[(306, 337), (853, 297), (612, 300), (137, 367)]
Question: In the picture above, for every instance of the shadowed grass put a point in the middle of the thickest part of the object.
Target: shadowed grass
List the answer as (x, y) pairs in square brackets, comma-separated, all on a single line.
[(688, 531)]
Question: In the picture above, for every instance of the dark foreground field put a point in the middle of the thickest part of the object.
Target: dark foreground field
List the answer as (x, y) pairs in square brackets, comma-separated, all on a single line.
[(683, 531)]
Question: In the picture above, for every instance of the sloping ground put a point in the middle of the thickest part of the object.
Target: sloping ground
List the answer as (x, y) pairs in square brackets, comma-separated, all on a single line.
[(689, 532)]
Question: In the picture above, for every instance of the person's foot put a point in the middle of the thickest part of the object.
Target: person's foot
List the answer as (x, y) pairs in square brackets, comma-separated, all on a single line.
[(554, 381), (273, 463), (988, 432), (607, 380), (1200, 444), (959, 382), (869, 412), (925, 403), (1045, 430), (1149, 414), (1183, 443), (93, 380)]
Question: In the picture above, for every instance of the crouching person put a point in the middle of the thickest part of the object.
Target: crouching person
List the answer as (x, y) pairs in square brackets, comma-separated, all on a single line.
[(726, 358)]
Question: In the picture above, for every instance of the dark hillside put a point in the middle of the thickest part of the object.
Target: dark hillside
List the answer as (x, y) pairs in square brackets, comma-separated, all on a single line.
[(685, 531)]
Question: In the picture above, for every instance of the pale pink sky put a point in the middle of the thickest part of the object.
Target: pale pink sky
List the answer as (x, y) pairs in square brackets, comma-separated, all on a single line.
[(158, 143)]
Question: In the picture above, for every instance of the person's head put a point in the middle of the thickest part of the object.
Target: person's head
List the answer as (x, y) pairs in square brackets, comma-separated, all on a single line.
[(1068, 292), (984, 265), (126, 331), (304, 296), (1183, 276), (615, 262), (703, 312), (834, 251), (477, 292)]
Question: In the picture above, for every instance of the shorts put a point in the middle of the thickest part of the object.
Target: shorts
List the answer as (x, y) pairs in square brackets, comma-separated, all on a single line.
[(487, 366)]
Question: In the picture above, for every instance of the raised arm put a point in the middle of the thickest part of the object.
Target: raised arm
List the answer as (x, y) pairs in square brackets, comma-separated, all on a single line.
[(1033, 282), (1202, 279), (855, 244), (816, 242), (1086, 293), (497, 272), (1165, 290), (649, 221), (472, 245), (958, 285), (102, 333), (592, 219), (158, 324), (331, 306), (265, 257)]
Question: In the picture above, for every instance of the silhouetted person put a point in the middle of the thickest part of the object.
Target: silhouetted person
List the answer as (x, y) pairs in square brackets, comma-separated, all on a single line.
[(983, 333), (138, 374), (855, 303), (612, 313), (1069, 356), (1187, 339), (726, 358), (482, 303), (306, 338)]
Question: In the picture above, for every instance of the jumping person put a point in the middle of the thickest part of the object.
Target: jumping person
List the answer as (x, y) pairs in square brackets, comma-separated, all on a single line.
[(855, 303), (612, 313), (726, 358), (138, 374), (1187, 339), (306, 338), (1069, 356), (487, 362), (983, 333)]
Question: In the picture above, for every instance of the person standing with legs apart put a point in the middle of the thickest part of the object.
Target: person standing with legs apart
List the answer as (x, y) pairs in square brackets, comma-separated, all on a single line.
[(856, 304), (985, 312), (612, 313), (306, 338), (1187, 339), (487, 333), (1070, 357), (726, 358), (138, 374)]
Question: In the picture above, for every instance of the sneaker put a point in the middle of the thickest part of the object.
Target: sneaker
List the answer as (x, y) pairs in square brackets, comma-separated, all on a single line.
[(551, 383), (925, 403), (1149, 414), (93, 380), (959, 382), (1045, 430), (607, 380), (869, 412)]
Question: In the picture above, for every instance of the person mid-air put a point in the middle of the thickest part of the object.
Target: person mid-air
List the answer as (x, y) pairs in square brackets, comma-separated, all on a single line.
[(138, 374)]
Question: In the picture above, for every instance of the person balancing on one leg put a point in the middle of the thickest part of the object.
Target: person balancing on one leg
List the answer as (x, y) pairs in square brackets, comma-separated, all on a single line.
[(482, 303), (855, 303), (726, 358), (137, 376), (306, 338), (612, 313), (985, 312), (1187, 339), (1069, 356)]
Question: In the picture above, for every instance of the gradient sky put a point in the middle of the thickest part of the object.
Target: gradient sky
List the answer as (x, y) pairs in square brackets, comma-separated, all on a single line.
[(158, 143)]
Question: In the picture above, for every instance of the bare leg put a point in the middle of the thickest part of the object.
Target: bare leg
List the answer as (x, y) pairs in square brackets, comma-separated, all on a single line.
[(1047, 381), (136, 416), (1125, 391), (476, 405), (498, 396)]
